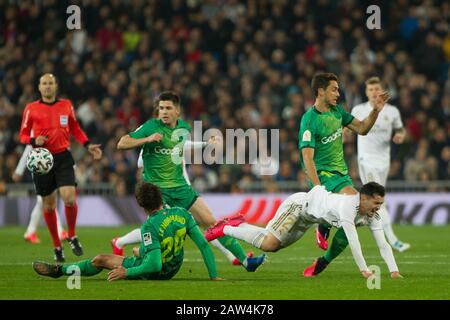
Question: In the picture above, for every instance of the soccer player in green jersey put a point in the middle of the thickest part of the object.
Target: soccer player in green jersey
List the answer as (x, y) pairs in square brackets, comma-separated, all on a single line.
[(162, 142), (322, 154), (161, 253)]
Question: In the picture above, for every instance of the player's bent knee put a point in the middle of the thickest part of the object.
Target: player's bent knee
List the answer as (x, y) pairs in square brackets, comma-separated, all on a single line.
[(49, 205), (69, 202), (270, 245)]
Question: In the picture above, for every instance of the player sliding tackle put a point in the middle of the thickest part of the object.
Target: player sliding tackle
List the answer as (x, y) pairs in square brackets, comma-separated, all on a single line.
[(302, 210), (161, 253)]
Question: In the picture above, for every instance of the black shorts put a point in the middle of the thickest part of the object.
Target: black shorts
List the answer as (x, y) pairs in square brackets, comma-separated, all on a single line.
[(62, 174)]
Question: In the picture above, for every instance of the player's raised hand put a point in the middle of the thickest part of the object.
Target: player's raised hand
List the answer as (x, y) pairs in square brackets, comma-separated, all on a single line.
[(381, 100), (95, 150), (366, 274), (40, 140), (136, 252), (396, 274), (117, 273), (155, 137)]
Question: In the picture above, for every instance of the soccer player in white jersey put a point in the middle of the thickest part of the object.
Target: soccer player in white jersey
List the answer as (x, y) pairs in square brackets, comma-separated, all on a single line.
[(302, 210), (31, 234), (374, 150)]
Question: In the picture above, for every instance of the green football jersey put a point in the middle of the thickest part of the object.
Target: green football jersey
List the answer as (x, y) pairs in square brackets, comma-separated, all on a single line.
[(166, 230), (163, 160), (323, 132)]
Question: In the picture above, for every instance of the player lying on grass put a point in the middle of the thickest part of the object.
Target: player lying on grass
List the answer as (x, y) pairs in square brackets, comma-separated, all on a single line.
[(302, 210), (160, 255)]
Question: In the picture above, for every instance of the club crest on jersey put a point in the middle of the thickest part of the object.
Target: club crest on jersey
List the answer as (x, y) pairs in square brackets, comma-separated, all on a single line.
[(147, 238), (63, 121)]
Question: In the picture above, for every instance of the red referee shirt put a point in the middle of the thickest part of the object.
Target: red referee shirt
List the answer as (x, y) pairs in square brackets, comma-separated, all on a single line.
[(55, 120)]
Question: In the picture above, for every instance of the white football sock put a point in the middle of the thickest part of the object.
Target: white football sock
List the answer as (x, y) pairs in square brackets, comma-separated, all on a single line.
[(387, 227), (130, 238), (58, 222), (35, 217), (224, 250), (249, 233)]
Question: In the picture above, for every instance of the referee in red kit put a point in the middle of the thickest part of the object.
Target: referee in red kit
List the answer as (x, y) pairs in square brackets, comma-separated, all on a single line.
[(51, 121)]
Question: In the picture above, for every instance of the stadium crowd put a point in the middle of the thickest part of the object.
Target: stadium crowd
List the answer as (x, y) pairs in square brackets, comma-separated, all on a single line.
[(236, 64)]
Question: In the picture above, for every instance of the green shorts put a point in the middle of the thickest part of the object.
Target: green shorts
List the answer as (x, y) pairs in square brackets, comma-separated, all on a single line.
[(130, 262), (183, 196), (333, 181)]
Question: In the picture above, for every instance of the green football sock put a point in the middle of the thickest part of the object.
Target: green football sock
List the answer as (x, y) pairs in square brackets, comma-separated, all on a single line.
[(86, 268), (338, 245), (234, 247)]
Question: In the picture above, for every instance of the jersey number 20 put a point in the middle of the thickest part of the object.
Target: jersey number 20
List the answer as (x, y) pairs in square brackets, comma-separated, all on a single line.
[(172, 246)]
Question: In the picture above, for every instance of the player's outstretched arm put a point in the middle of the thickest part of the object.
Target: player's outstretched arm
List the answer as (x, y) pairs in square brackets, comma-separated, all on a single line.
[(207, 254), (127, 142), (151, 263), (355, 247), (386, 253), (363, 127)]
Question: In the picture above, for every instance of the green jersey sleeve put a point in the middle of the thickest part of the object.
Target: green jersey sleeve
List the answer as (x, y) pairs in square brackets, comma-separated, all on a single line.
[(145, 130), (149, 239), (190, 222), (207, 254), (346, 116), (151, 263), (307, 133)]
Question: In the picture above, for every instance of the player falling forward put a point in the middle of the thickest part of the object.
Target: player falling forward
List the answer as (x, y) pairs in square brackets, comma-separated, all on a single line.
[(36, 214), (161, 253), (302, 210), (374, 150), (162, 143)]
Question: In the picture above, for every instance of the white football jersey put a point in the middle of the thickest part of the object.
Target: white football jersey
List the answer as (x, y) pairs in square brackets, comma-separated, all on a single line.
[(375, 147), (324, 206)]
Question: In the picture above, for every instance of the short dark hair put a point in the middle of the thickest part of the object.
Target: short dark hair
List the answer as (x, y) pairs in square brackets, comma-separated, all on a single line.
[(148, 196), (373, 80), (169, 96), (373, 188), (322, 80)]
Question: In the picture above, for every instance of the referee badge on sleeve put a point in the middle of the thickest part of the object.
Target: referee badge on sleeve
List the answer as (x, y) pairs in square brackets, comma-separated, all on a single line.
[(63, 120), (147, 238)]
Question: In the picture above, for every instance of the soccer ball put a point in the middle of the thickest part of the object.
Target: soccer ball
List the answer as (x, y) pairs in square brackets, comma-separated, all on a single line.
[(39, 161)]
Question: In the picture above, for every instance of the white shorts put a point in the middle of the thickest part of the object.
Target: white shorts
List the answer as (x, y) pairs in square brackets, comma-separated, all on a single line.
[(369, 173), (289, 223)]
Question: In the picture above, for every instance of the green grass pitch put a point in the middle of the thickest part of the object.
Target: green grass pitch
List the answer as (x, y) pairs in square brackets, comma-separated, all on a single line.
[(425, 267)]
